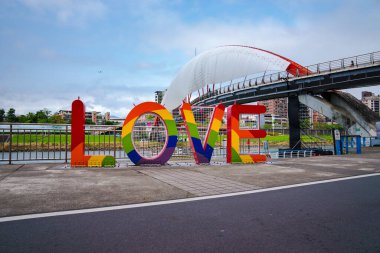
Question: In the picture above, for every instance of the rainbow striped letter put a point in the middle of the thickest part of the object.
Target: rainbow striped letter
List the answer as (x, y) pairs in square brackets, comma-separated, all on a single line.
[(202, 153), (77, 141), (234, 133), (171, 132)]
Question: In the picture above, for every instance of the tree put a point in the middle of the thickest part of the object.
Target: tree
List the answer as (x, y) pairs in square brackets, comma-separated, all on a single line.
[(11, 115), (110, 123), (327, 126), (89, 122), (56, 119), (267, 126), (305, 124), (42, 116), (150, 117), (31, 118), (22, 119), (2, 115)]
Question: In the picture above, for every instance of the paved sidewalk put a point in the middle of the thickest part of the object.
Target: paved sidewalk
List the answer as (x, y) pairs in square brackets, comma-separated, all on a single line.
[(36, 188), (197, 183)]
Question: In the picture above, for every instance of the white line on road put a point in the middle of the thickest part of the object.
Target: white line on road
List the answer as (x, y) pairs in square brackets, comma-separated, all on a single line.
[(166, 202)]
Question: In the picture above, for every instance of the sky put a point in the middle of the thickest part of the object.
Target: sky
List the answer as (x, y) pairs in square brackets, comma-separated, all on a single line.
[(114, 54)]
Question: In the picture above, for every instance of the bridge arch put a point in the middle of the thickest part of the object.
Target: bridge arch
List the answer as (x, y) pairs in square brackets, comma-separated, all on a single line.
[(222, 64)]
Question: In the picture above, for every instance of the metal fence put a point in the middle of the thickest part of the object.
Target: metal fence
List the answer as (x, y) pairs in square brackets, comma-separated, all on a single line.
[(39, 142), (48, 142), (293, 154), (311, 132), (27, 142)]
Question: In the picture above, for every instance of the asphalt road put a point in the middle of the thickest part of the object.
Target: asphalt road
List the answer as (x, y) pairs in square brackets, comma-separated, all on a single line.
[(340, 216)]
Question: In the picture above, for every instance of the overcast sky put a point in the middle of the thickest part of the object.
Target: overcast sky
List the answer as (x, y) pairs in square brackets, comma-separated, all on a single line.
[(114, 54)]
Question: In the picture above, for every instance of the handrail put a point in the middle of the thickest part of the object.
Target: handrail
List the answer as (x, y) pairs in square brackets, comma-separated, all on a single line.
[(372, 58)]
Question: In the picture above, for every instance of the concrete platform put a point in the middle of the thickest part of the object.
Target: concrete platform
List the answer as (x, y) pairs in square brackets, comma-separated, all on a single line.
[(36, 188)]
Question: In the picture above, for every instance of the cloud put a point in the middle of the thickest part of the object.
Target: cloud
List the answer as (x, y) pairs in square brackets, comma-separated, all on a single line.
[(346, 30), (69, 12), (153, 39)]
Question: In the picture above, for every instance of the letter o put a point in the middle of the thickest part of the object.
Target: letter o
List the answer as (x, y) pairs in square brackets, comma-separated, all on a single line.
[(171, 133)]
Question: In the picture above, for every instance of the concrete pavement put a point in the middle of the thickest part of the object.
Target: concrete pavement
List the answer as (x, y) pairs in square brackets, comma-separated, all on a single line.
[(36, 188)]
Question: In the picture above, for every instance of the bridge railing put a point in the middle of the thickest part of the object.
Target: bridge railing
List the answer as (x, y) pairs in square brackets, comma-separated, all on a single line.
[(316, 69)]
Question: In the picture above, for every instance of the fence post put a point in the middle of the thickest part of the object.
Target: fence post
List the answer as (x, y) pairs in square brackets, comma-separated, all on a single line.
[(114, 142), (66, 138), (10, 143)]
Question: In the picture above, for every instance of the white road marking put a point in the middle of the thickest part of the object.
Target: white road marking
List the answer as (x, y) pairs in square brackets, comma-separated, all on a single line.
[(166, 202)]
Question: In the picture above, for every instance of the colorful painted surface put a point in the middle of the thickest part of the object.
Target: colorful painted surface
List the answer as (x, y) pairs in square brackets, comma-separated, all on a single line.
[(171, 129), (78, 159), (234, 134), (202, 152)]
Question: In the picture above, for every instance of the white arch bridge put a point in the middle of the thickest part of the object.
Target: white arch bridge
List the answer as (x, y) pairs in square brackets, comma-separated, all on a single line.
[(242, 74)]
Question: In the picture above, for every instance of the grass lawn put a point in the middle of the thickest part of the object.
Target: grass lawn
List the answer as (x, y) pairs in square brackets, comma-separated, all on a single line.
[(305, 138), (56, 139), (38, 138)]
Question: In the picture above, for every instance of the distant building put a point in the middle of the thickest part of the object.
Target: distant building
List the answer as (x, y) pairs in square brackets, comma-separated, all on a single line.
[(95, 117), (366, 94), (372, 101), (116, 120), (277, 111), (276, 121), (318, 118), (65, 115), (158, 95), (278, 107), (107, 116)]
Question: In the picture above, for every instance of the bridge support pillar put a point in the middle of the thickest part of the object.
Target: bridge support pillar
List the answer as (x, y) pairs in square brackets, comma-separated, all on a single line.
[(294, 122)]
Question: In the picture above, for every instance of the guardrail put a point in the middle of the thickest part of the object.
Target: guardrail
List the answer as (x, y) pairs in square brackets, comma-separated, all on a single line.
[(48, 142), (294, 154), (44, 142), (36, 142), (315, 69)]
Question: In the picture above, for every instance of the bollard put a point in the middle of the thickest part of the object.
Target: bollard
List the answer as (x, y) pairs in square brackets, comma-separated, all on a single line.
[(358, 145), (10, 143)]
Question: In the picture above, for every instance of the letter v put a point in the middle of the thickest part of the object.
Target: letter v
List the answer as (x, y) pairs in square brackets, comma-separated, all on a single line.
[(202, 153)]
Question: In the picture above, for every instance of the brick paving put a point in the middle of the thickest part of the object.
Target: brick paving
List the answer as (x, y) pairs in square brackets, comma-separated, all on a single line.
[(197, 183)]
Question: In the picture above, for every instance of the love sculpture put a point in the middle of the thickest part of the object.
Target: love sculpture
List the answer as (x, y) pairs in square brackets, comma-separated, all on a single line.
[(202, 151)]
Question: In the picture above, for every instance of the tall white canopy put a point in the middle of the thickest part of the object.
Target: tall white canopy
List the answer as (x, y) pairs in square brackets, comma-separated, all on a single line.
[(220, 65)]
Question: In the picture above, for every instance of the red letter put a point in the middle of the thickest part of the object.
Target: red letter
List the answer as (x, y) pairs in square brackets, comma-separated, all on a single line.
[(77, 141), (234, 133)]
